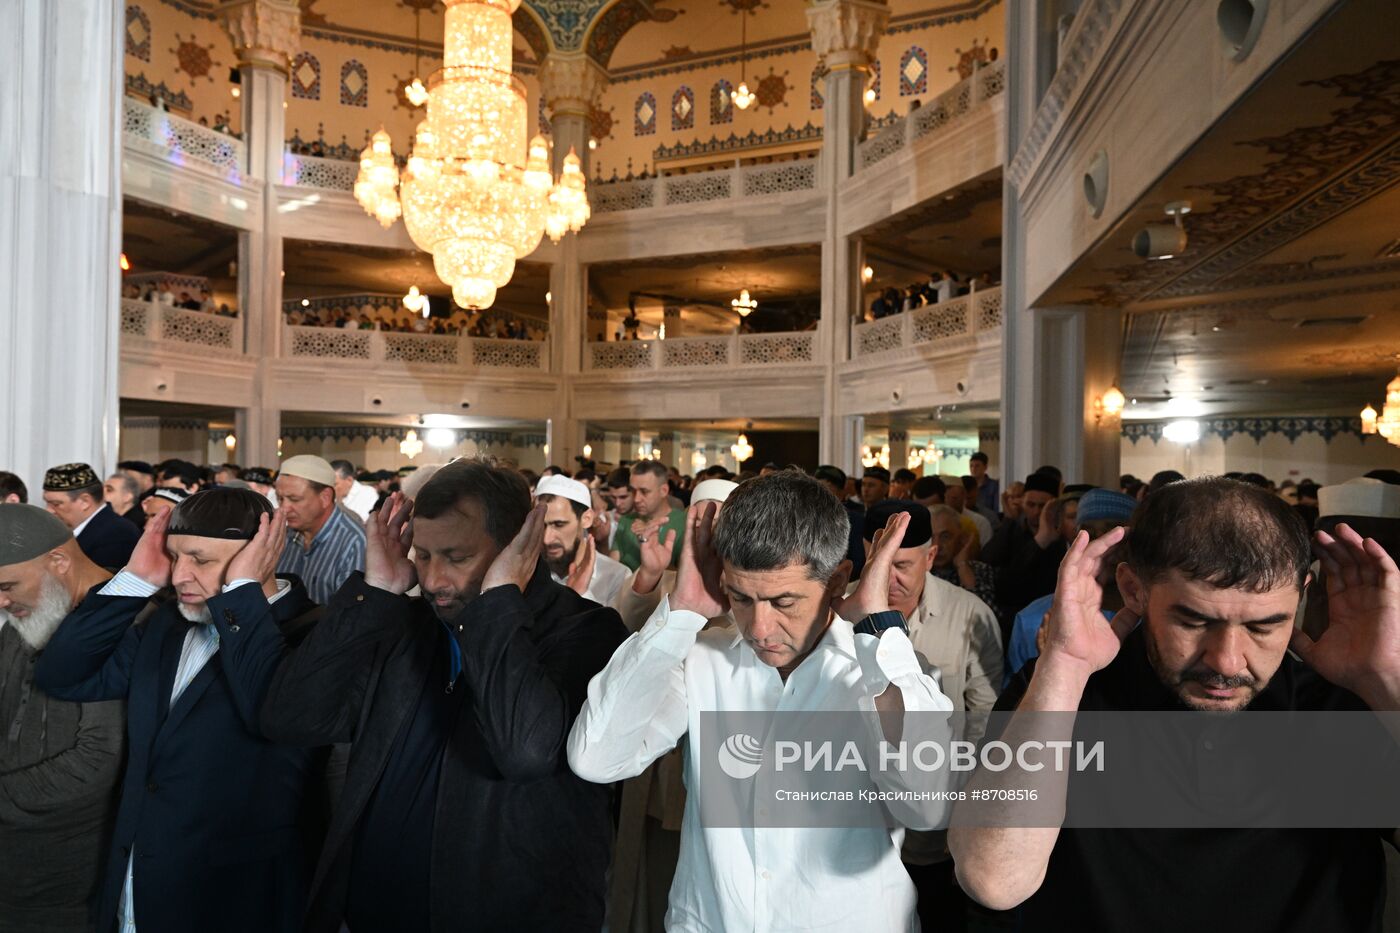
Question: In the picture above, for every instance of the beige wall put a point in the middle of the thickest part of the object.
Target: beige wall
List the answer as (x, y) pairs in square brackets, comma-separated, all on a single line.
[(1344, 457)]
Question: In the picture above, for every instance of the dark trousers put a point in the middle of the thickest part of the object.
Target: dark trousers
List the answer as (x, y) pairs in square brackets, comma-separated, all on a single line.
[(942, 904)]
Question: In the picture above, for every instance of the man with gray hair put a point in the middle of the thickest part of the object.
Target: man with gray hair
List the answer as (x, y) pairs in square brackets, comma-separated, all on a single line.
[(59, 760), (774, 560), (123, 494)]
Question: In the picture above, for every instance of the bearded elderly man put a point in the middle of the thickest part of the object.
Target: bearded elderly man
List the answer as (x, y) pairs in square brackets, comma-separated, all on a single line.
[(1211, 580), (569, 551), (324, 544), (59, 761), (775, 561), (74, 493), (459, 811), (209, 833)]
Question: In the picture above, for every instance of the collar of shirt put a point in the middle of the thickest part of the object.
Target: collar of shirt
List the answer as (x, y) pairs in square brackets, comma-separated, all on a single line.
[(325, 531), (283, 587), (84, 523)]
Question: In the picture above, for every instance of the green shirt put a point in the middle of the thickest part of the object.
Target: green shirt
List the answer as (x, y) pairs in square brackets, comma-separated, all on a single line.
[(629, 549)]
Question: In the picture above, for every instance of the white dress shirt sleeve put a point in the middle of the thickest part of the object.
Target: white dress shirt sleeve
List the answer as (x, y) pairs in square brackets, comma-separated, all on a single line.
[(126, 583), (636, 709), (915, 799)]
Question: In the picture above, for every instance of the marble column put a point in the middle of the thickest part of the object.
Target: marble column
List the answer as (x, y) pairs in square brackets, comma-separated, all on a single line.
[(845, 34), (572, 84), (266, 36), (60, 235)]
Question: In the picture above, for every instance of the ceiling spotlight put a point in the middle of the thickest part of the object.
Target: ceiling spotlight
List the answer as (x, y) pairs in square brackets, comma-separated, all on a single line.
[(1164, 241)]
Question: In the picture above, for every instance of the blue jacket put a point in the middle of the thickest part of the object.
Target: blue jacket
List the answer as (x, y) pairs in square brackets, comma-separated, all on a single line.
[(211, 807), (109, 539)]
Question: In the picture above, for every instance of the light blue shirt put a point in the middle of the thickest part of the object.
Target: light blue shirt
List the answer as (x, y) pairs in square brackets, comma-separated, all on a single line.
[(337, 551), (1022, 647)]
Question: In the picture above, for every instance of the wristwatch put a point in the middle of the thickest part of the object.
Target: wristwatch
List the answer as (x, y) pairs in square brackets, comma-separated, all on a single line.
[(877, 623)]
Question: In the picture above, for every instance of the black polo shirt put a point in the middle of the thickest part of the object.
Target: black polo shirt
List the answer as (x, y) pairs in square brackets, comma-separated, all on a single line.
[(1275, 880)]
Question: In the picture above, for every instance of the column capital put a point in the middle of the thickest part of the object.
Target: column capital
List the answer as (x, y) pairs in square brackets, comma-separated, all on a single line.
[(845, 33), (265, 33), (571, 83)]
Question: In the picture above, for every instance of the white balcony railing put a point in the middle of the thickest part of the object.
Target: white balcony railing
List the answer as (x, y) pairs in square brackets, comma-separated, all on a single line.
[(985, 83), (741, 182), (315, 172), (975, 313), (178, 139), (677, 353), (448, 352), (164, 323)]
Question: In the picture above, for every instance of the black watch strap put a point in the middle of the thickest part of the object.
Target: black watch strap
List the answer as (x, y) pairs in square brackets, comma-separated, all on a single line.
[(879, 622)]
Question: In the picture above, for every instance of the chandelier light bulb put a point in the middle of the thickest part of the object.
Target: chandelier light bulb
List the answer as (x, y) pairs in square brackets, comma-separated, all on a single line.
[(743, 97)]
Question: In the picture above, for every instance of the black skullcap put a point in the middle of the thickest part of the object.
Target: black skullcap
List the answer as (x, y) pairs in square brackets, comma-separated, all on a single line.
[(222, 512), (70, 477), (880, 473), (918, 532), (1043, 482), (137, 466), (260, 475)]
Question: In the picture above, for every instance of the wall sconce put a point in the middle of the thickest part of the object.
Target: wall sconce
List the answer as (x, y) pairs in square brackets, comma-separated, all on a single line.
[(866, 274), (1110, 404), (741, 449), (230, 442), (1368, 420)]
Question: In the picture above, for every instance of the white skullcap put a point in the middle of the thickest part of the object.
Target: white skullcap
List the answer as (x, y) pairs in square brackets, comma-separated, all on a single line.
[(1362, 497), (712, 490), (309, 466), (571, 489)]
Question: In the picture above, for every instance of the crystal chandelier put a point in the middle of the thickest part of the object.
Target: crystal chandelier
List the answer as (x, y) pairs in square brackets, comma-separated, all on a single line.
[(744, 305), (374, 185), (1387, 425), (473, 194), (742, 96)]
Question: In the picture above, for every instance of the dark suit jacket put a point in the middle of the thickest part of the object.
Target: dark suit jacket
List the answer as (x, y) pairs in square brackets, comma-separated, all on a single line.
[(519, 841), (211, 808), (109, 539)]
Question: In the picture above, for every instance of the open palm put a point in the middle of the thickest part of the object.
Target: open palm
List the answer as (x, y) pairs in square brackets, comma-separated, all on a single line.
[(1075, 628), (1360, 650)]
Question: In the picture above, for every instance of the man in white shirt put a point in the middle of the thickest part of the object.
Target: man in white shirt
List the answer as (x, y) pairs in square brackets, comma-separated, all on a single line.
[(354, 495), (569, 551), (774, 561)]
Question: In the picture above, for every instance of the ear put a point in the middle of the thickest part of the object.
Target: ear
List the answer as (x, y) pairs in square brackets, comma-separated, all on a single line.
[(840, 578), (1131, 588), (932, 553), (587, 518), (59, 562)]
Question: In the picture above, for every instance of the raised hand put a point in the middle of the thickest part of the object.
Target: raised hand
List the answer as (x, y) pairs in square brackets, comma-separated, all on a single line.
[(1075, 629), (698, 587), (1361, 648), (515, 565), (581, 570), (872, 593), (656, 553), (388, 540), (258, 558), (149, 559)]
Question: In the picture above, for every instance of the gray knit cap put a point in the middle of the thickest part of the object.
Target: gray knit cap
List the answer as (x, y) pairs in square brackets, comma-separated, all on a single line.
[(27, 532)]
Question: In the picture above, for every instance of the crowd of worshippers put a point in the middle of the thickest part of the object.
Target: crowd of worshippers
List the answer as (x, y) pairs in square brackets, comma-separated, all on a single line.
[(185, 300), (403, 321), (941, 286), (466, 696)]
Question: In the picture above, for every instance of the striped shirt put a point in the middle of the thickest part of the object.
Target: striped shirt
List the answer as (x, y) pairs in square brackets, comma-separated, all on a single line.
[(337, 551), (201, 642)]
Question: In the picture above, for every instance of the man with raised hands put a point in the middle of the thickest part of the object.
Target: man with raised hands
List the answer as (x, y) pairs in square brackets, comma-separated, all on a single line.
[(459, 811), (209, 833), (1212, 577), (774, 560)]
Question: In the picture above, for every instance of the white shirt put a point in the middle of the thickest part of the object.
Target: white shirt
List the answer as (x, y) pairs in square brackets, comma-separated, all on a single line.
[(774, 880), (608, 577), (360, 500), (84, 523), (201, 643)]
